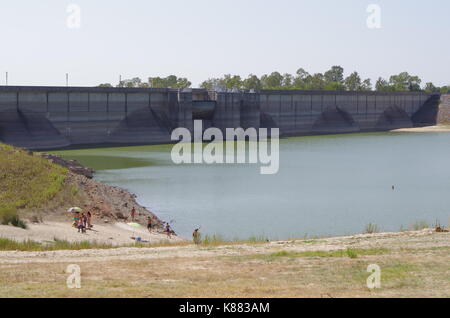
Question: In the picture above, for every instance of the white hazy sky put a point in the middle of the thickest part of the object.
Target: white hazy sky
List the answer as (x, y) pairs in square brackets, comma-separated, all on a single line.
[(199, 39)]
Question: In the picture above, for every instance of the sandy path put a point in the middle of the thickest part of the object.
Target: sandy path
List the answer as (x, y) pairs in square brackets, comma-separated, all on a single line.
[(115, 234), (413, 240)]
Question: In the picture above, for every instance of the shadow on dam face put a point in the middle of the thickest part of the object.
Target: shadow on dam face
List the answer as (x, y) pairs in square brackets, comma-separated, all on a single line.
[(427, 114), (334, 119), (142, 126), (392, 118), (30, 130)]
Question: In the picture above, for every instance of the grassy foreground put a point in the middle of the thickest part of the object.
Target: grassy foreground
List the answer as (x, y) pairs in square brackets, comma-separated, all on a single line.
[(411, 266)]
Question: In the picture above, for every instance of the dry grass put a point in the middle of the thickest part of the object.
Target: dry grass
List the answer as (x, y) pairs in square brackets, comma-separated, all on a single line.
[(405, 273)]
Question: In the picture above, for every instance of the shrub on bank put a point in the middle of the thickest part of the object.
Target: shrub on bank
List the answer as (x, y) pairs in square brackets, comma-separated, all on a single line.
[(371, 228), (8, 216)]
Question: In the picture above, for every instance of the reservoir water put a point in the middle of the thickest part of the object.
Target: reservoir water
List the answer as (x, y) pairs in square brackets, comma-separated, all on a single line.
[(326, 185)]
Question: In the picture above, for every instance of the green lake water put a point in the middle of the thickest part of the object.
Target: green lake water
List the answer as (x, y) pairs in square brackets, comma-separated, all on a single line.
[(326, 185)]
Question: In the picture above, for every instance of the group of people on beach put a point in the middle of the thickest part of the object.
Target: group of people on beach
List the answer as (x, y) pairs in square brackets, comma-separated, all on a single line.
[(82, 221)]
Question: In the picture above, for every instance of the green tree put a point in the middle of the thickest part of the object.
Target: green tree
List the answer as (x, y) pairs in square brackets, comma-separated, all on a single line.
[(105, 85), (157, 82), (445, 89), (429, 87), (334, 86), (404, 82), (382, 85), (210, 83), (183, 82), (288, 81), (252, 82), (232, 81), (315, 82), (353, 82), (170, 81), (272, 81), (300, 79), (130, 83), (366, 85), (335, 74)]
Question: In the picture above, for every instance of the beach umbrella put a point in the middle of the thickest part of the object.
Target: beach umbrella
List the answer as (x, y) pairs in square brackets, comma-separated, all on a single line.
[(134, 224), (74, 209)]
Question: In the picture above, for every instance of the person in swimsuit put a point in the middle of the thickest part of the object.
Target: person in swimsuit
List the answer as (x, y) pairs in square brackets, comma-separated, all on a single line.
[(80, 226), (76, 218)]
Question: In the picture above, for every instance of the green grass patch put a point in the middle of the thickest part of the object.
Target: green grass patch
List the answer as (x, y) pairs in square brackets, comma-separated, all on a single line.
[(306, 241), (214, 239), (106, 162), (217, 239), (59, 245), (26, 181), (32, 246), (351, 253), (393, 275), (419, 225), (398, 271)]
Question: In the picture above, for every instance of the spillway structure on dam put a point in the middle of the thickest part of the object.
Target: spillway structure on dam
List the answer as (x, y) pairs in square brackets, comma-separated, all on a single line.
[(59, 117)]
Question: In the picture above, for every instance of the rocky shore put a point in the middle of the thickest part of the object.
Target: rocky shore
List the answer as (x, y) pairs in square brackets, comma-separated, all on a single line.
[(108, 204), (73, 165)]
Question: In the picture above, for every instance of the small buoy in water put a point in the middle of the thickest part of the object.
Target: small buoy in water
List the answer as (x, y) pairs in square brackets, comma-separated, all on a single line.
[(393, 187)]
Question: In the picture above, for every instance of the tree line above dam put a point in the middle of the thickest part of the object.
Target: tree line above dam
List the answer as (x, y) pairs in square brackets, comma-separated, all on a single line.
[(331, 80)]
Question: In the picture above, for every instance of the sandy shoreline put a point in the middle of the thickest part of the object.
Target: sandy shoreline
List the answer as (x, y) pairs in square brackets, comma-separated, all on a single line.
[(437, 128), (116, 234)]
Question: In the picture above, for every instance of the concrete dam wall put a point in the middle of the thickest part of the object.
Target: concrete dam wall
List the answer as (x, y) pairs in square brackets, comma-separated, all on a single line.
[(443, 111), (58, 117)]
